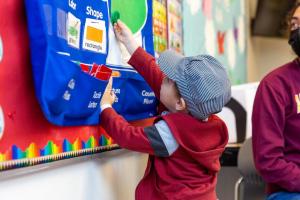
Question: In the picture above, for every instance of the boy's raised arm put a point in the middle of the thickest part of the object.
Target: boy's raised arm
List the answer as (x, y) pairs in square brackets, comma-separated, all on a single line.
[(146, 140), (124, 134), (143, 62), (145, 65)]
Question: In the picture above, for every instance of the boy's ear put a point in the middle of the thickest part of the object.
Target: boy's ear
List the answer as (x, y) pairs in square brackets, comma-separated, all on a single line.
[(180, 104)]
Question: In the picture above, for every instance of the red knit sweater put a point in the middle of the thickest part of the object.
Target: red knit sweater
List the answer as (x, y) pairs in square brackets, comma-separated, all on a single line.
[(191, 171), (276, 128)]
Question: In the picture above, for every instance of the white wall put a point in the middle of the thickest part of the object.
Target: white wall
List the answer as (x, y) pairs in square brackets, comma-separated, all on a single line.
[(266, 54), (108, 176)]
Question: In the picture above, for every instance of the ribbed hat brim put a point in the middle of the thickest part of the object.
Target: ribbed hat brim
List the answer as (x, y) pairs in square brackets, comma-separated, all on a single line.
[(168, 62)]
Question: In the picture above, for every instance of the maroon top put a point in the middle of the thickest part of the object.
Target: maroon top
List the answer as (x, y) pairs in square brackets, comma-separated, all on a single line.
[(276, 128), (191, 171)]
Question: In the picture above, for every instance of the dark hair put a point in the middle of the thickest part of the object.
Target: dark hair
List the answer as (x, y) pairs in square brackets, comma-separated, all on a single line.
[(290, 15)]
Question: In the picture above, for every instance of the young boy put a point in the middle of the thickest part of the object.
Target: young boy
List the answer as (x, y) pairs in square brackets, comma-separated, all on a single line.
[(186, 141)]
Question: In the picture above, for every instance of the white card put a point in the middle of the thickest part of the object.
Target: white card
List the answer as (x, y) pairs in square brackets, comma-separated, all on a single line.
[(94, 36), (73, 31)]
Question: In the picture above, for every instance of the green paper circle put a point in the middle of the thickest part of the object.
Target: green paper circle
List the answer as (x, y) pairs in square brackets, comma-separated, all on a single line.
[(132, 12)]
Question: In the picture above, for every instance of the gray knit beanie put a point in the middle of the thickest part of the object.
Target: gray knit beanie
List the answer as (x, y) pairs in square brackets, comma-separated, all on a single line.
[(202, 81)]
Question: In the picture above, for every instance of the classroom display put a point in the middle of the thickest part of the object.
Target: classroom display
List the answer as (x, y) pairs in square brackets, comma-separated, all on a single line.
[(54, 69), (167, 26), (66, 50), (175, 20), (220, 26), (160, 26), (69, 47)]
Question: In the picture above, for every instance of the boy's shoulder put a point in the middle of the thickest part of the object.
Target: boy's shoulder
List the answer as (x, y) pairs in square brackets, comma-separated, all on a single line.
[(191, 120), (196, 134), (184, 123)]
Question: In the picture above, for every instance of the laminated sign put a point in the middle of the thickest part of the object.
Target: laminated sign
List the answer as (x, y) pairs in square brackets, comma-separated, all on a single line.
[(74, 53)]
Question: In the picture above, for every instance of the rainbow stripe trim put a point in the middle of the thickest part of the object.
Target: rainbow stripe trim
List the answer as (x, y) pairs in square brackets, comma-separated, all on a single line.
[(16, 158)]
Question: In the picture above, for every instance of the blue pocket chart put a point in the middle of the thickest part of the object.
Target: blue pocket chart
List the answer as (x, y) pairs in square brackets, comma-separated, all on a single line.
[(64, 34)]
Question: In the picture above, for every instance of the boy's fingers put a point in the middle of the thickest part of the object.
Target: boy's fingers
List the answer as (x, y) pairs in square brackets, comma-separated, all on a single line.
[(109, 86), (121, 25), (118, 34), (112, 94), (117, 31), (110, 83), (116, 27), (111, 91)]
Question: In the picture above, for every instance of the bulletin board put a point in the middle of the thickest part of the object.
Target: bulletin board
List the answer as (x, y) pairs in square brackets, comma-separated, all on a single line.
[(160, 26), (218, 28), (175, 29), (167, 26), (27, 137)]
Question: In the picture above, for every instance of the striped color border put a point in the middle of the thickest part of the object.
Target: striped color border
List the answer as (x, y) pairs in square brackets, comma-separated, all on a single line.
[(16, 158)]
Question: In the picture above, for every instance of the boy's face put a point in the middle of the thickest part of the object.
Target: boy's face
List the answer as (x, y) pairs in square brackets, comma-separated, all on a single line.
[(169, 94)]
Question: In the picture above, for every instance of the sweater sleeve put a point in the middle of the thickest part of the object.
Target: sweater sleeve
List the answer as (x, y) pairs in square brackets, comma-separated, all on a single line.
[(145, 65), (155, 140), (268, 122), (124, 134)]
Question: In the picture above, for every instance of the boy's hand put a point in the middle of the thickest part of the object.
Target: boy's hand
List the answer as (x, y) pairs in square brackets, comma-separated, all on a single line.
[(124, 35), (108, 97)]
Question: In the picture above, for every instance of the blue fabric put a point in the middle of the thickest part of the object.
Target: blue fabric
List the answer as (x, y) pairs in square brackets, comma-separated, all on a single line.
[(284, 196), (60, 42)]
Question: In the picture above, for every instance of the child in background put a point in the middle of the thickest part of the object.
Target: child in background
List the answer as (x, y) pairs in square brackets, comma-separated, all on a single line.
[(187, 139)]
